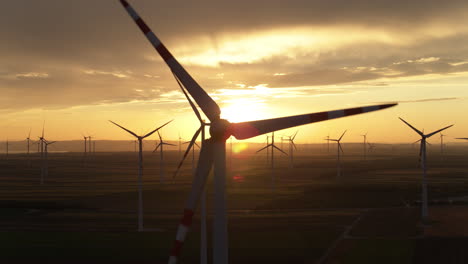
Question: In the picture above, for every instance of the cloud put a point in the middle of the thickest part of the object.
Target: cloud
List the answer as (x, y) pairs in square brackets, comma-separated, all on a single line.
[(58, 54)]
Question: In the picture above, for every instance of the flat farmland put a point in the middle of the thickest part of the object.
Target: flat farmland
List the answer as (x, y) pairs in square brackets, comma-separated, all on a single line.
[(86, 209)]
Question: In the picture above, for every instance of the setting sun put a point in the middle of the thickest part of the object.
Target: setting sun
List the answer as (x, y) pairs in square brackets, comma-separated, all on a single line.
[(239, 110)]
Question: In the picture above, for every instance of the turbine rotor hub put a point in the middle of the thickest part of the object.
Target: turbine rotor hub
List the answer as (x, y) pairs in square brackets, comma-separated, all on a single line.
[(219, 129)]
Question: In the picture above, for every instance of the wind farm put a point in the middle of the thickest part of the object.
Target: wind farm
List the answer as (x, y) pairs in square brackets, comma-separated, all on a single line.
[(228, 76)]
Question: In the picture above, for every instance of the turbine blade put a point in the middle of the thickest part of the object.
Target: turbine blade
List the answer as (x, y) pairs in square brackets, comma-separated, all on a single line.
[(197, 145), (29, 135), (294, 145), (204, 101), (262, 148), (205, 163), (194, 108), (437, 131), (157, 147), (160, 138), (339, 146), (416, 141), (168, 144), (135, 135), (150, 133), (280, 150), (251, 129), (417, 131), (342, 135), (192, 142), (462, 138), (43, 125), (295, 134)]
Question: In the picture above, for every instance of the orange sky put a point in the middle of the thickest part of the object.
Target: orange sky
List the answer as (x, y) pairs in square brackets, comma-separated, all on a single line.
[(77, 65)]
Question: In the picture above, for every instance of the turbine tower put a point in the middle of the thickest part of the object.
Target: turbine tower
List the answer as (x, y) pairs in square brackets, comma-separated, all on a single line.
[(140, 170), (272, 164), (160, 146), (338, 159), (422, 158), (213, 151)]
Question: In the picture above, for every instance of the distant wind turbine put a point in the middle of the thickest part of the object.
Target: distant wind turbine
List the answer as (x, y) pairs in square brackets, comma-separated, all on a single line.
[(365, 146), (193, 154), (272, 164), (442, 145), (160, 146), (28, 140), (422, 158), (292, 147), (140, 170), (339, 151), (46, 160), (328, 143)]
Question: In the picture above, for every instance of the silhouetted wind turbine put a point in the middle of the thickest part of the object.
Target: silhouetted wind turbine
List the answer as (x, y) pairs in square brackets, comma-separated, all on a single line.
[(328, 143), (272, 164), (160, 146), (28, 140), (422, 158), (46, 159), (365, 146), (292, 147), (193, 154), (442, 145), (371, 146), (213, 151), (140, 170), (338, 160)]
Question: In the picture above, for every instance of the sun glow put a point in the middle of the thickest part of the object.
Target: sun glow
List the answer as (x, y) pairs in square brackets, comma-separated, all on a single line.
[(242, 109)]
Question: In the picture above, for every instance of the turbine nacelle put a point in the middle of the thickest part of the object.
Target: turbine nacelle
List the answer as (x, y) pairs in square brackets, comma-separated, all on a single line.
[(220, 129)]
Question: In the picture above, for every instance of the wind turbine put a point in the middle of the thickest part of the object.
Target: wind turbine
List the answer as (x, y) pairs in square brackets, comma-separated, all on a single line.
[(291, 145), (442, 145), (28, 140), (422, 158), (365, 146), (338, 160), (193, 154), (371, 146), (161, 156), (328, 143), (46, 159), (272, 164), (85, 149), (213, 151), (140, 170), (90, 145), (41, 144)]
